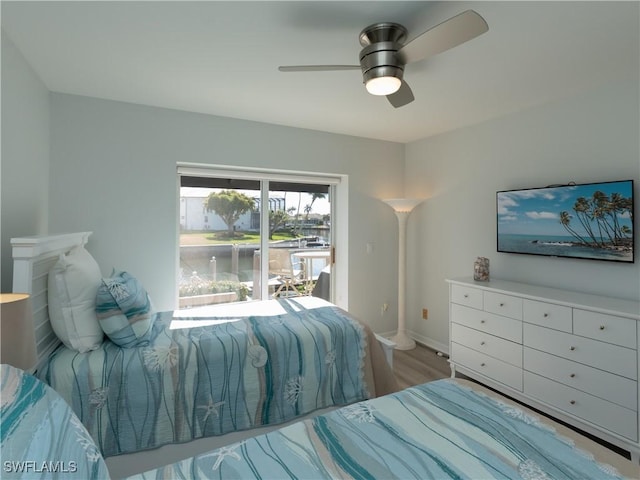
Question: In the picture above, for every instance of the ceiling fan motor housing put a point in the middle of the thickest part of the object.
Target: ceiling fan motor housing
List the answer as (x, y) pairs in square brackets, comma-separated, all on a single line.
[(381, 43), (383, 32), (380, 60)]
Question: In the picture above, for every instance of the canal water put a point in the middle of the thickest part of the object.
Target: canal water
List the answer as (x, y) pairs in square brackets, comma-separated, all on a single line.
[(196, 260)]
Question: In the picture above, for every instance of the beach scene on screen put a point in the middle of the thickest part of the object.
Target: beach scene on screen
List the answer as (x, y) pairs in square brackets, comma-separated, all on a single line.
[(583, 221)]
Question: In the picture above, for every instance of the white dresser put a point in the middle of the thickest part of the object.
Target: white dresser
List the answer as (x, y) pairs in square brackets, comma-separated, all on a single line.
[(569, 354)]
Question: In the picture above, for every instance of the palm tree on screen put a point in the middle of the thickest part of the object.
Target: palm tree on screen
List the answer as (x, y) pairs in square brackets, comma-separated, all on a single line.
[(605, 212), (565, 220)]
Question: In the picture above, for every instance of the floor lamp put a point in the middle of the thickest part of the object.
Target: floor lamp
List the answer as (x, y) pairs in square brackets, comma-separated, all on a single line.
[(402, 207)]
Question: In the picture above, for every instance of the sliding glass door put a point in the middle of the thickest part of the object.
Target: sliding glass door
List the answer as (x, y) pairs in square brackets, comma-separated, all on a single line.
[(299, 239), (226, 223), (220, 233)]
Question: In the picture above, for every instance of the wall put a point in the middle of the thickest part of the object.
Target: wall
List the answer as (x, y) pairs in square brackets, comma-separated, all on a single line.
[(113, 172), (25, 154), (588, 138)]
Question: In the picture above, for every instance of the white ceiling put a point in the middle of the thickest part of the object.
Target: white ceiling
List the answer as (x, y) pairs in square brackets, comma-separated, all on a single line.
[(221, 58)]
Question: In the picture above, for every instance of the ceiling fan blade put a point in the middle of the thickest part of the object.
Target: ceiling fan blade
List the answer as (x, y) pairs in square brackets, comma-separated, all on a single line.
[(448, 34), (317, 68), (403, 96)]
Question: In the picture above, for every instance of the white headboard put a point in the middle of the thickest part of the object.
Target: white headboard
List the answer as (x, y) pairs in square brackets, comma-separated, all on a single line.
[(33, 257)]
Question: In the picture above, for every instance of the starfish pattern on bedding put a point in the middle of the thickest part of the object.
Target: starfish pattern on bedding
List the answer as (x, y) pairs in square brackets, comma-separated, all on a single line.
[(211, 408), (223, 452)]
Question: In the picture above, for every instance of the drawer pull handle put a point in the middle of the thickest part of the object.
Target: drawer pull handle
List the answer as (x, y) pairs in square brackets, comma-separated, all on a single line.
[(572, 348), (481, 343), (601, 327), (545, 315), (466, 295), (572, 402), (502, 304), (482, 364), (572, 375), (482, 321)]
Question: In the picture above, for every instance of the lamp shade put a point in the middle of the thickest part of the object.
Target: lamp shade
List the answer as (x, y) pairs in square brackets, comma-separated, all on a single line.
[(18, 345), (403, 204)]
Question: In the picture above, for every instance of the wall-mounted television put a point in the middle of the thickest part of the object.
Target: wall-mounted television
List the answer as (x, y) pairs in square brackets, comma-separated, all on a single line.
[(590, 220)]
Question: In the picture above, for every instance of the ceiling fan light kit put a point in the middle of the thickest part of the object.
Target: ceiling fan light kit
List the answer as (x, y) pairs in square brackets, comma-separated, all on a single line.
[(384, 56), (383, 85)]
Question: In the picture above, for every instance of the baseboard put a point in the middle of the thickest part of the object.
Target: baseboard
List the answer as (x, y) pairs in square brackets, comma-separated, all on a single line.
[(426, 341), (429, 342)]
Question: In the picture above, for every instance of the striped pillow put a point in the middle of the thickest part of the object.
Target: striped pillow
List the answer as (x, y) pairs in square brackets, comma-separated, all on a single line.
[(124, 310)]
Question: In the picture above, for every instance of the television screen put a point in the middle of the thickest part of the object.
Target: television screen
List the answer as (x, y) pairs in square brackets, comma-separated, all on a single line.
[(592, 220)]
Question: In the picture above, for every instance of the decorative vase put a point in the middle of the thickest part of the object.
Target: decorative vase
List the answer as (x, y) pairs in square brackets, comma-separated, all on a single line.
[(481, 269)]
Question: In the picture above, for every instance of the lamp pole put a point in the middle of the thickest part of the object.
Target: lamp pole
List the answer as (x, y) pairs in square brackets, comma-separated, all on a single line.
[(402, 208)]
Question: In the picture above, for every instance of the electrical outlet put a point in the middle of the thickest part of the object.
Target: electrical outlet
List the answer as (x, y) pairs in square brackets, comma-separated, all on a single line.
[(425, 313), (384, 308)]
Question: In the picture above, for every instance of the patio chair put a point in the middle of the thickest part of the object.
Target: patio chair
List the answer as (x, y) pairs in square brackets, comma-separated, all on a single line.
[(289, 273)]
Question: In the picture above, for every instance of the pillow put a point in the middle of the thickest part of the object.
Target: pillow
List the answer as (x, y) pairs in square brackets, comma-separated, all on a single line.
[(41, 436), (124, 310), (73, 283)]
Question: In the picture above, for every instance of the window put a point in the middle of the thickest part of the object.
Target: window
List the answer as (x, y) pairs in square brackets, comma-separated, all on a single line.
[(228, 218)]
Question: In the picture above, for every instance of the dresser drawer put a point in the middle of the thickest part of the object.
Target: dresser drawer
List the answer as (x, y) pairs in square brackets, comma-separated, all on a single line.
[(488, 366), (505, 305), (548, 315), (503, 327), (471, 297), (595, 410), (499, 348), (606, 328), (612, 358), (605, 385)]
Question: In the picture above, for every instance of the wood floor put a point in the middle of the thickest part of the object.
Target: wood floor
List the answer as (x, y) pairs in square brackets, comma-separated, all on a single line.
[(420, 365)]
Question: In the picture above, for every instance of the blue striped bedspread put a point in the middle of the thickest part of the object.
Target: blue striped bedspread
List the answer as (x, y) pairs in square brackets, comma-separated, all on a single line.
[(240, 373), (41, 438), (438, 430)]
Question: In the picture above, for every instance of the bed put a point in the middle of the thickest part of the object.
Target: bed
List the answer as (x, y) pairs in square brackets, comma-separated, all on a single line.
[(202, 374), (448, 428), (443, 429), (41, 437)]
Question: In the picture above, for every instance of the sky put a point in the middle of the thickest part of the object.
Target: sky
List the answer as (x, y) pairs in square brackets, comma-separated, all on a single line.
[(537, 211)]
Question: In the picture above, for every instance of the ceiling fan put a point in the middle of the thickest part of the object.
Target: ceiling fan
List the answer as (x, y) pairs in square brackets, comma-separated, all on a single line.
[(384, 56)]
